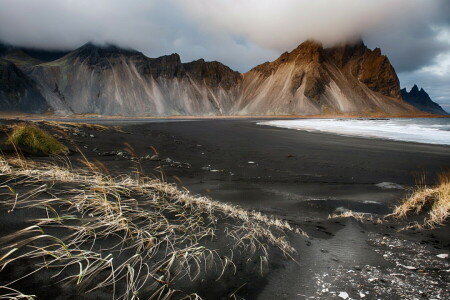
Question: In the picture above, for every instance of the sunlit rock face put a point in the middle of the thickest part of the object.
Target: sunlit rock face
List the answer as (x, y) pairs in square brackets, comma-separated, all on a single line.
[(313, 80), (309, 80)]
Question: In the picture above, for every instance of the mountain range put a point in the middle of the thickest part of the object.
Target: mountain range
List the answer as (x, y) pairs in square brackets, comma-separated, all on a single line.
[(108, 80)]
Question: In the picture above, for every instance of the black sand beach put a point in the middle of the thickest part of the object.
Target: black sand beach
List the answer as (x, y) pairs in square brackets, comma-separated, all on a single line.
[(301, 177)]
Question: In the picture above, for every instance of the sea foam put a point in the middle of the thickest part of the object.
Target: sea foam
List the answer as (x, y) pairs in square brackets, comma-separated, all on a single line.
[(428, 131)]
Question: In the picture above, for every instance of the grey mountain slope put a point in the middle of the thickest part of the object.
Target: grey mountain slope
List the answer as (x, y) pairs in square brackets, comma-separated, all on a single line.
[(18, 93), (113, 81)]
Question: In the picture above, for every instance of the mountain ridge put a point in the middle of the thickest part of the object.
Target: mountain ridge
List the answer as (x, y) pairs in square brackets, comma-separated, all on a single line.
[(315, 80), (421, 100), (311, 79)]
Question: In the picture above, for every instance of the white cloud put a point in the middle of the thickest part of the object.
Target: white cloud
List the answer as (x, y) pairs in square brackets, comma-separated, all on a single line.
[(283, 24)]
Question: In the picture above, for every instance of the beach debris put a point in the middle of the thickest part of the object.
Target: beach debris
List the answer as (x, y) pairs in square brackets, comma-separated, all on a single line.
[(343, 295), (176, 164), (207, 168), (215, 171), (390, 186), (154, 157), (444, 255), (408, 267), (362, 295), (116, 153), (184, 165), (92, 136), (414, 269), (251, 162), (342, 209), (112, 153)]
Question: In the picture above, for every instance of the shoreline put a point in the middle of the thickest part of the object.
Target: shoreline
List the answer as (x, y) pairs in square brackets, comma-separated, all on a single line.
[(26, 116)]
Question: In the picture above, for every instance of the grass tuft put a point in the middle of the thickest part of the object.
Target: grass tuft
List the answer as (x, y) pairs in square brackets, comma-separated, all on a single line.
[(435, 199), (32, 139)]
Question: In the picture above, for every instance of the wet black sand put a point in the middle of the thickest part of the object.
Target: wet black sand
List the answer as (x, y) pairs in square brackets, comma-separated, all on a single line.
[(301, 177)]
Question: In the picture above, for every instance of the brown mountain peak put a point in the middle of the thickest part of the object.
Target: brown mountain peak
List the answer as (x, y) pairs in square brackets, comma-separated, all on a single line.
[(309, 50)]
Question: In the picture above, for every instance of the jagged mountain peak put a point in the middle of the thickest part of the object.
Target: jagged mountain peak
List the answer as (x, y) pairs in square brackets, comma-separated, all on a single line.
[(91, 49), (214, 72), (309, 45), (173, 58), (414, 89), (421, 100), (416, 92), (96, 54)]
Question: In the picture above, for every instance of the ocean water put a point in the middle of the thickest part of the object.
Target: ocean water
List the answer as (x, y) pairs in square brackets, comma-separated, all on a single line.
[(427, 131)]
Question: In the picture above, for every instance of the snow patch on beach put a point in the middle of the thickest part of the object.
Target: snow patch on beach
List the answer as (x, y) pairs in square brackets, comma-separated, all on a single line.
[(428, 131)]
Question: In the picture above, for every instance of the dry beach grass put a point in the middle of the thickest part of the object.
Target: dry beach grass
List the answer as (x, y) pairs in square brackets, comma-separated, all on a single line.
[(435, 199), (130, 235)]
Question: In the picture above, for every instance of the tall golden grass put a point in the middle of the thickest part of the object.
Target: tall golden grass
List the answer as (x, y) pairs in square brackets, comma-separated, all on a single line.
[(435, 199), (160, 231)]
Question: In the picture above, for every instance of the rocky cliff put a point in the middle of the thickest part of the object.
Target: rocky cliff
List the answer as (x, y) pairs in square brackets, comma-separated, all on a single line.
[(311, 79), (18, 92), (113, 81), (421, 100)]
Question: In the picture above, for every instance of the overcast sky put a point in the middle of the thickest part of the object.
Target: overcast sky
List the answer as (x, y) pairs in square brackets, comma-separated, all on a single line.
[(414, 34)]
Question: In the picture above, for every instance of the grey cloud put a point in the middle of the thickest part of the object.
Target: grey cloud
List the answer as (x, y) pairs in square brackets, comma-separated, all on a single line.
[(155, 27), (409, 47)]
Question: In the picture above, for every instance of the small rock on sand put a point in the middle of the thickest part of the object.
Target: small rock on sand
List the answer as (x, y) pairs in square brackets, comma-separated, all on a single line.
[(390, 186), (343, 295)]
